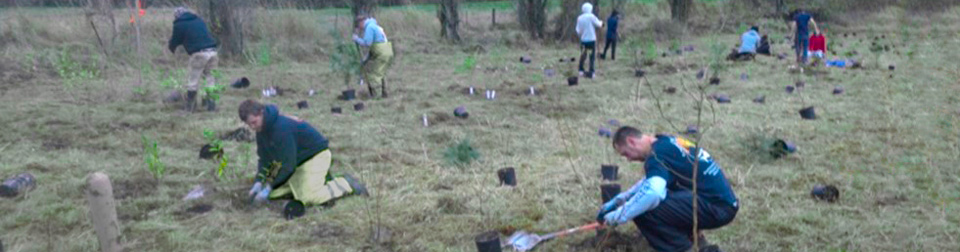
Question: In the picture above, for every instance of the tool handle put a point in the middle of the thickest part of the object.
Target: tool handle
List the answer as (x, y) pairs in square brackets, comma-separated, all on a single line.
[(590, 226)]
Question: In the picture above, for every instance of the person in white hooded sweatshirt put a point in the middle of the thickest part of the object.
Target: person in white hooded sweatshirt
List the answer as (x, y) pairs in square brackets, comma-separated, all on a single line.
[(587, 25)]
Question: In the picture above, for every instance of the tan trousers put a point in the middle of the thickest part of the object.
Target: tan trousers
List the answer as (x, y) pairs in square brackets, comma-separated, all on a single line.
[(199, 67), (309, 184)]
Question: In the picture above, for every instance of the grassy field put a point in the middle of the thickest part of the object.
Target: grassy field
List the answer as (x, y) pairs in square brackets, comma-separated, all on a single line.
[(890, 143)]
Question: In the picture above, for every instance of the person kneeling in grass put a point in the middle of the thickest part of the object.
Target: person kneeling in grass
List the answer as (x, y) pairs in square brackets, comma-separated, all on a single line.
[(661, 205), (303, 156)]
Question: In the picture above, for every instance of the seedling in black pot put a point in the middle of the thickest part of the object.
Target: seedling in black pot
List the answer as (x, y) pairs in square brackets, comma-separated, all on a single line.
[(358, 106), (891, 67), (461, 112), (609, 172), (760, 99), (692, 129), (670, 90), (488, 242), (241, 83), (302, 105), (336, 110), (722, 98), (208, 152), (572, 81), (828, 193), (639, 73), (837, 90), (608, 191), (604, 132), (789, 89), (782, 148), (714, 81), (808, 113), (349, 94), (507, 176), (800, 84)]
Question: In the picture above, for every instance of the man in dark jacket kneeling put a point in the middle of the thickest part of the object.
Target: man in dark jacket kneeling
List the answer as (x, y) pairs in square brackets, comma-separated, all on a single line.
[(294, 160)]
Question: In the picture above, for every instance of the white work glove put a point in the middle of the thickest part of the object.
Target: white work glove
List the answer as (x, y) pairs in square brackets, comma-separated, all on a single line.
[(357, 39)]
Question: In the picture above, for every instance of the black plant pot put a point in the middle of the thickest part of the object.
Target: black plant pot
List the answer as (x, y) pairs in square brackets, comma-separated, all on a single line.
[(828, 193), (507, 176), (639, 73), (782, 148), (207, 153), (692, 129), (572, 81), (808, 113), (790, 89), (293, 209), (760, 99), (358, 106), (573, 59), (714, 81), (892, 67), (241, 83), (670, 90), (838, 90), (18, 184), (800, 84), (609, 172), (211, 105), (700, 74), (336, 110), (608, 191), (461, 112), (349, 94), (722, 98), (488, 242), (302, 105)]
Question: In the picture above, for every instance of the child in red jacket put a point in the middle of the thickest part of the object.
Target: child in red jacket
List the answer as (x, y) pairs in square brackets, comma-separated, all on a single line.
[(818, 45)]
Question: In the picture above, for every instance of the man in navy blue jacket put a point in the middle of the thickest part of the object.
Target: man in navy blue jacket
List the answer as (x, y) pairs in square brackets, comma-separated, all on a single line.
[(612, 37), (294, 159), (190, 31), (661, 205)]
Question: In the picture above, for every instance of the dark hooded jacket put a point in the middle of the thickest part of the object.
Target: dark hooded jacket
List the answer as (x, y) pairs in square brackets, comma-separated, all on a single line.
[(287, 141), (190, 31)]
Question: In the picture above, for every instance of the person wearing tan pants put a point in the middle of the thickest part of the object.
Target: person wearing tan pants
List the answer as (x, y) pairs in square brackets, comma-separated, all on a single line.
[(192, 33)]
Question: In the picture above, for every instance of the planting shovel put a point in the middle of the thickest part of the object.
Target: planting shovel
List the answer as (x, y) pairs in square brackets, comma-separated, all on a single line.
[(523, 241)]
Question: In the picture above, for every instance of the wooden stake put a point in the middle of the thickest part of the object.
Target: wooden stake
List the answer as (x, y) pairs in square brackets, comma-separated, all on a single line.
[(103, 211)]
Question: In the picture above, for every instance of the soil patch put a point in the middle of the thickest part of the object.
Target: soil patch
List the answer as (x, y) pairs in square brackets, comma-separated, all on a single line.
[(614, 242), (890, 200), (56, 143), (136, 188), (240, 135), (327, 231)]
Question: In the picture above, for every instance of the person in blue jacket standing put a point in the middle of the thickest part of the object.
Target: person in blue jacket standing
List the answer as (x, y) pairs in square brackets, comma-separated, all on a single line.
[(611, 39), (661, 205)]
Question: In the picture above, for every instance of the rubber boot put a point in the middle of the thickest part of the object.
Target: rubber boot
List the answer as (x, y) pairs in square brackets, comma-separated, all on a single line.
[(210, 104), (190, 102)]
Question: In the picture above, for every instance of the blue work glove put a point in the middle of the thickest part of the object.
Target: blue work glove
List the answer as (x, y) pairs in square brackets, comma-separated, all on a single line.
[(262, 195), (256, 188), (614, 218), (606, 208)]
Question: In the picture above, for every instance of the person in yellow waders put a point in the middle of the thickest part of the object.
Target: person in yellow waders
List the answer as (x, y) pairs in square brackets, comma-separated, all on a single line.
[(294, 161), (381, 52)]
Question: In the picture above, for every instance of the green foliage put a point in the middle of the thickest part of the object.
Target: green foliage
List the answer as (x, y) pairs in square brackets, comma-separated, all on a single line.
[(216, 145), (71, 71), (172, 79), (213, 92), (717, 56), (461, 153), (468, 65), (650, 54), (151, 157), (344, 58), (262, 56)]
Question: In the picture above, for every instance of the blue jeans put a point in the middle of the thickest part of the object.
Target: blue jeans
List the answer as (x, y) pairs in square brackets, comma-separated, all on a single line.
[(802, 42), (668, 226)]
